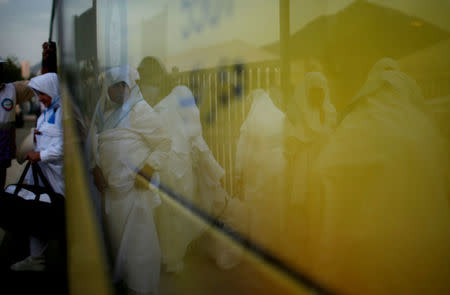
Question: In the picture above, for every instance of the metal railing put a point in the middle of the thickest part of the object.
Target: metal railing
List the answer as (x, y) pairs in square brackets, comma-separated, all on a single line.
[(222, 95)]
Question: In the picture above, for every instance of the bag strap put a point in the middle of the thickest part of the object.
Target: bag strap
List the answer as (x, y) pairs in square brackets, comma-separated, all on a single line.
[(19, 185), (35, 181), (38, 171), (35, 175)]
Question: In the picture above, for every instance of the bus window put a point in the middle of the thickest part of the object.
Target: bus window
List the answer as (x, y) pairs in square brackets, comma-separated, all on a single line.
[(283, 147)]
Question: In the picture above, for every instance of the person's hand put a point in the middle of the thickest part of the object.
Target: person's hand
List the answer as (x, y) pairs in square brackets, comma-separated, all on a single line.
[(33, 157), (99, 179), (36, 132), (48, 57)]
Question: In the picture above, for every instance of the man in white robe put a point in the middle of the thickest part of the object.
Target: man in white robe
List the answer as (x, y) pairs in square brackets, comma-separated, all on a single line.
[(260, 166), (380, 218), (311, 120), (191, 171)]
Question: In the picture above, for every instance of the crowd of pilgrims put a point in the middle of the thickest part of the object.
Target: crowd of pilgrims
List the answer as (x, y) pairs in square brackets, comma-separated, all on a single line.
[(344, 196)]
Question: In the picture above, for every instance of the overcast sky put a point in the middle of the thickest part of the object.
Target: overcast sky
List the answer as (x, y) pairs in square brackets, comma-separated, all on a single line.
[(24, 26)]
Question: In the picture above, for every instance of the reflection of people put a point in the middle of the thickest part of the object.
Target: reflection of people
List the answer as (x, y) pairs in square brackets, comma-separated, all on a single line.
[(379, 204), (11, 95), (191, 171), (313, 119), (439, 109), (311, 111), (374, 81), (126, 135), (48, 153), (154, 81), (260, 163)]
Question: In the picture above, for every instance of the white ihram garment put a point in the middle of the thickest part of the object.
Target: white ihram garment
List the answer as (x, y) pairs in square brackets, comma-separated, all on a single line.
[(123, 139), (191, 171)]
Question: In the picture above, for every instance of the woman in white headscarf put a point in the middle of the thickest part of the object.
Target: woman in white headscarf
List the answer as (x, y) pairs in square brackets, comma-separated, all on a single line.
[(380, 217), (312, 119), (191, 171), (49, 130), (374, 82), (260, 165), (48, 153), (127, 136)]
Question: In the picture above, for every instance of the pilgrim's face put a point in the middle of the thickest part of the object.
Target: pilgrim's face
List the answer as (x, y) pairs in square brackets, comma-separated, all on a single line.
[(316, 96), (44, 98), (119, 92)]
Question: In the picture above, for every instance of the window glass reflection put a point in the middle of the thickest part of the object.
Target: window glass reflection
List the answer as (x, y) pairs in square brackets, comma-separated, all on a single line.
[(206, 153)]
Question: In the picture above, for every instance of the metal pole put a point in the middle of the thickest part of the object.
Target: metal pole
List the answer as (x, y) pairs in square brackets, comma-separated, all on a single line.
[(52, 18), (284, 49)]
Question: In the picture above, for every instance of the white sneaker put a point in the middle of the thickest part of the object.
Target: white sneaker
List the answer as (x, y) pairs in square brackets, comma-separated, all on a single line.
[(30, 264)]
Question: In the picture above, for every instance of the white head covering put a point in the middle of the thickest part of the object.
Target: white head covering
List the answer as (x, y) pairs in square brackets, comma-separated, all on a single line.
[(386, 74), (126, 74), (374, 78), (182, 112), (187, 108), (48, 84), (109, 113), (304, 115)]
